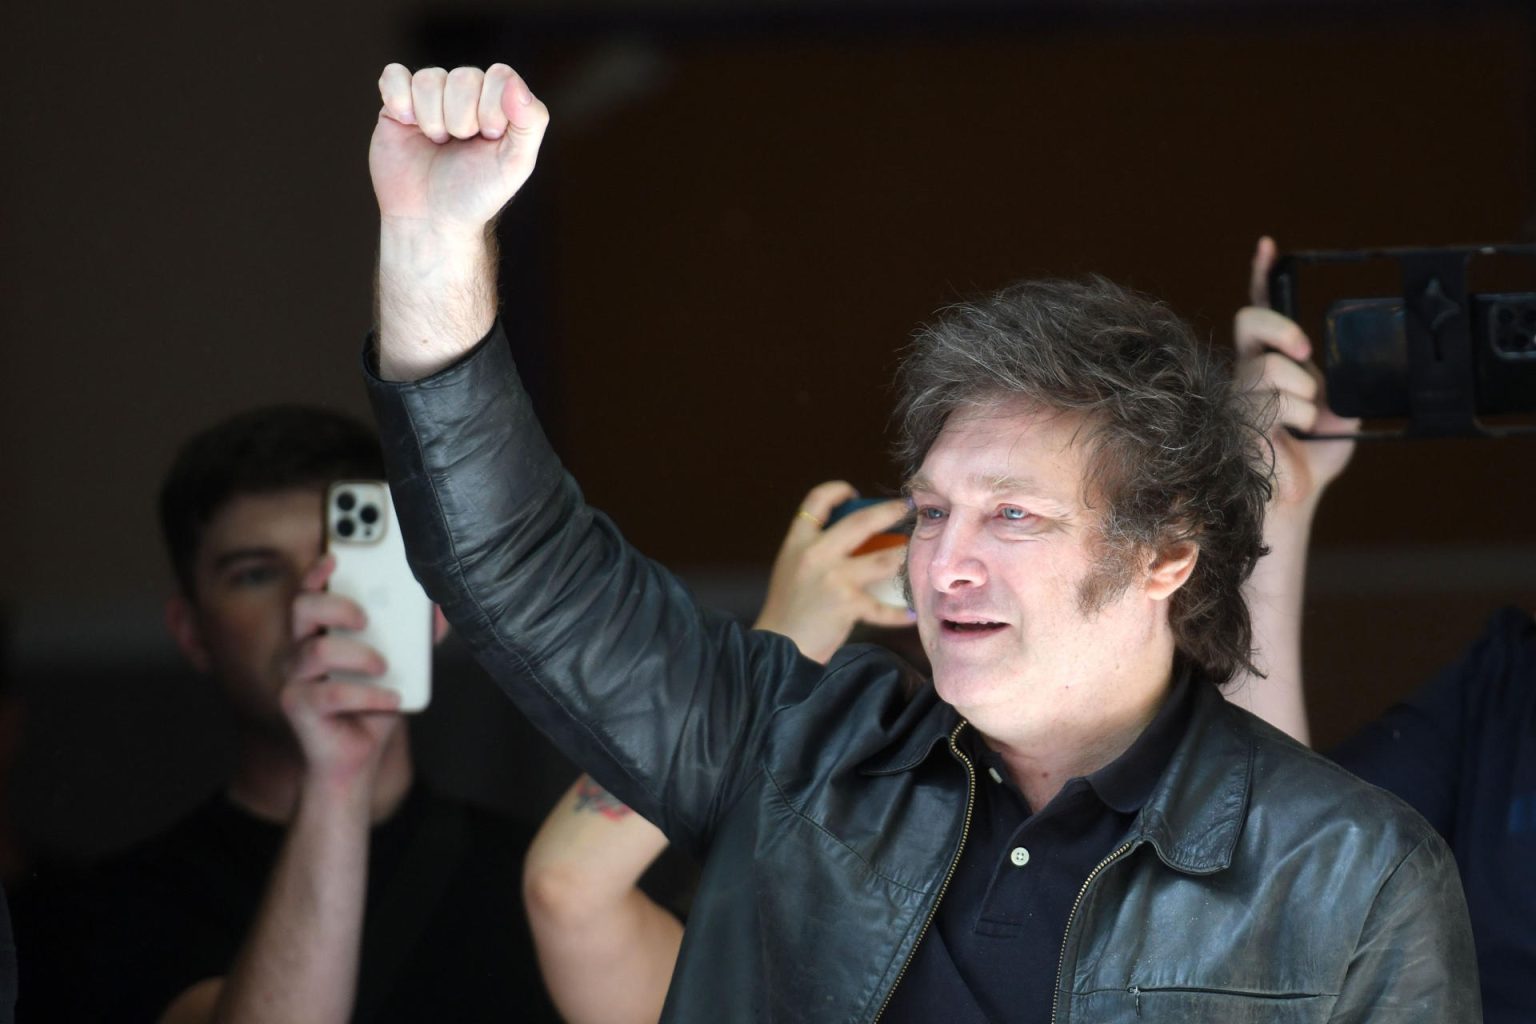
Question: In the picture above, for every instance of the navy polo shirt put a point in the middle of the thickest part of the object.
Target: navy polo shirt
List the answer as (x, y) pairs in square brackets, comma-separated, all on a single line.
[(993, 948), (1462, 751)]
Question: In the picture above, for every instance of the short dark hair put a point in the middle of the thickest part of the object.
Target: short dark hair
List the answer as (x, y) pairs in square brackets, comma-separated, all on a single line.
[(1175, 452), (261, 451)]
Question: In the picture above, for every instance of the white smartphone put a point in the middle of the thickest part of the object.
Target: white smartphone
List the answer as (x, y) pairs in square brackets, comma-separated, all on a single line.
[(362, 532)]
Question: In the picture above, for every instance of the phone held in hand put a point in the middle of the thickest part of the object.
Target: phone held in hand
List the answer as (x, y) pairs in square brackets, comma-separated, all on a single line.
[(1366, 356), (891, 591), (1424, 342), (894, 537), (361, 531)]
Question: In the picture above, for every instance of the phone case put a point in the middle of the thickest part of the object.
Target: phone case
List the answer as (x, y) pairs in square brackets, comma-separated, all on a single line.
[(361, 531)]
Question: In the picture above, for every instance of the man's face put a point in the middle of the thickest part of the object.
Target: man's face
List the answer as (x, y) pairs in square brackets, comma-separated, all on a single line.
[(247, 570), (1017, 606)]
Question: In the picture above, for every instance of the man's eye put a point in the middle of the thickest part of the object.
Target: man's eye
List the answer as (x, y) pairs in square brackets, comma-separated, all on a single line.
[(253, 576), (1013, 513), (929, 513)]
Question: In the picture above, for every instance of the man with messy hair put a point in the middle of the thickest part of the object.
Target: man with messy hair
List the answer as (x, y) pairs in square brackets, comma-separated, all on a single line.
[(1069, 823)]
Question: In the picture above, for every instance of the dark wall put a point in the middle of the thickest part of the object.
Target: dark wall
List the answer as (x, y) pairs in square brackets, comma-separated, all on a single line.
[(734, 228), (743, 249)]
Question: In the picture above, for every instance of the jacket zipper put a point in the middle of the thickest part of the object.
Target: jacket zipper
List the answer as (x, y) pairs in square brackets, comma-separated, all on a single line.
[(1061, 961), (965, 831)]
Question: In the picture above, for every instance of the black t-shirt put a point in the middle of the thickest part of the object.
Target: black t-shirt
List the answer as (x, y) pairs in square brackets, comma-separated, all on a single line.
[(445, 937), (1462, 751)]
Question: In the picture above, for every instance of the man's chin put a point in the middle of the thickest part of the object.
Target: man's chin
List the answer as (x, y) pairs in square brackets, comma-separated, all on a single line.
[(963, 686)]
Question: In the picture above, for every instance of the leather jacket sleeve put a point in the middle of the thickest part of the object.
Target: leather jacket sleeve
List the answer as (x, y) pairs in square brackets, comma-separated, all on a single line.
[(664, 703), (1414, 960)]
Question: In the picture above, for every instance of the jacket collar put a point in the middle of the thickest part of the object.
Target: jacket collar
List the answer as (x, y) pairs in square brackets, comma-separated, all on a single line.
[(932, 722), (1195, 813)]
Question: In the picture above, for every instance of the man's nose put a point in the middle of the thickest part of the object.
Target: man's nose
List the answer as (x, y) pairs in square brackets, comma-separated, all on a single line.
[(957, 561)]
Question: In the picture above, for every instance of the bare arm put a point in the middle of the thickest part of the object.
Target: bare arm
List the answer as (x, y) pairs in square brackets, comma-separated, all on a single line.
[(1272, 362), (299, 961), (606, 950)]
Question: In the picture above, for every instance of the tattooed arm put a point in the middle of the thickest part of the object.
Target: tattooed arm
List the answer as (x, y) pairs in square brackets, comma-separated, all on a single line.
[(606, 950)]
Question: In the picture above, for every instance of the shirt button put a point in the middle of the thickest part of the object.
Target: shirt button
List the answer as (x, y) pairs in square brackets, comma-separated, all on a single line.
[(1019, 856)]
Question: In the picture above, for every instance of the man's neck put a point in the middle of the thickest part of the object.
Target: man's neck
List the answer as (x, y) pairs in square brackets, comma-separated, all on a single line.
[(1041, 767), (1070, 737), (270, 774)]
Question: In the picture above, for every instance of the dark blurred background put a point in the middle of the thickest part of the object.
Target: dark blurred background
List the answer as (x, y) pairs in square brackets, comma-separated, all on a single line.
[(742, 211)]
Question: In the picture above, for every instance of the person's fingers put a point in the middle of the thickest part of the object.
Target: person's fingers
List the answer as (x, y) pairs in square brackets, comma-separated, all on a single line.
[(817, 505), (1256, 329), (493, 119), (820, 500), (877, 613), (316, 611), (1284, 374), (1330, 422), (1258, 271), (339, 697), (319, 574), (427, 87), (461, 102), (526, 114), (874, 567), (395, 93), (440, 627), (321, 655), (1295, 412), (857, 527)]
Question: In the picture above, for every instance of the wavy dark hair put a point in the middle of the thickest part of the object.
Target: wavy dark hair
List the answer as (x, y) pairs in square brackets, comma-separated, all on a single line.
[(1175, 452)]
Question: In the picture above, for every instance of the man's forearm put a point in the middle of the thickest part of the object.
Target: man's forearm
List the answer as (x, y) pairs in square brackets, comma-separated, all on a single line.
[(300, 960), (436, 296)]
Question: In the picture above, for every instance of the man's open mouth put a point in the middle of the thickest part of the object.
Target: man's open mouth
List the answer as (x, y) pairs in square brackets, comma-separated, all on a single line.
[(972, 627)]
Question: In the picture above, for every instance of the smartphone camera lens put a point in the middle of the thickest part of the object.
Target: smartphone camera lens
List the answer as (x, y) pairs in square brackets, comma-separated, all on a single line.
[(1515, 336), (346, 501), (345, 527), (369, 514)]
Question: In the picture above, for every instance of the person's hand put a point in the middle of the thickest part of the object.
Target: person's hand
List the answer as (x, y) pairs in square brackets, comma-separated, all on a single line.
[(342, 726), (1273, 354), (817, 592), (451, 148)]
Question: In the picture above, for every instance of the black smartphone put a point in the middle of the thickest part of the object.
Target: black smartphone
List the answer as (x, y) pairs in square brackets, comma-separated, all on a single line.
[(1444, 346), (1365, 356)]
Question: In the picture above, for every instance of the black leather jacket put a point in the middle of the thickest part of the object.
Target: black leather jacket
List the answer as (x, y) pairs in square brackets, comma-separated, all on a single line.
[(1260, 882)]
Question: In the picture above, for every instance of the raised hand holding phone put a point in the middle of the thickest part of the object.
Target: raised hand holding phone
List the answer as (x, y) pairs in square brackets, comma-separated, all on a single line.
[(820, 587)]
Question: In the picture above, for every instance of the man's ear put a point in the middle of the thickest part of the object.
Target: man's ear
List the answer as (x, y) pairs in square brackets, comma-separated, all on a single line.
[(1171, 568), (181, 620)]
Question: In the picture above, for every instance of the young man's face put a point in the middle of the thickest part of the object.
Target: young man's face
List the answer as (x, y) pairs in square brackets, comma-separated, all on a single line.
[(247, 570), (1018, 610)]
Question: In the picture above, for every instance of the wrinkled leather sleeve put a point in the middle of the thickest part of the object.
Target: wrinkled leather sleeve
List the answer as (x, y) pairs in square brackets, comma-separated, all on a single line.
[(1414, 960), (664, 703)]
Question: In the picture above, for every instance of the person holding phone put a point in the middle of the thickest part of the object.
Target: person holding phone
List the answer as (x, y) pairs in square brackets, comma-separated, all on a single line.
[(1461, 749), (325, 882), (581, 876), (1066, 820)]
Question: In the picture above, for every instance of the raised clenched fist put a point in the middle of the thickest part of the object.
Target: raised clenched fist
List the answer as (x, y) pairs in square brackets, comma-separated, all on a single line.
[(452, 147)]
